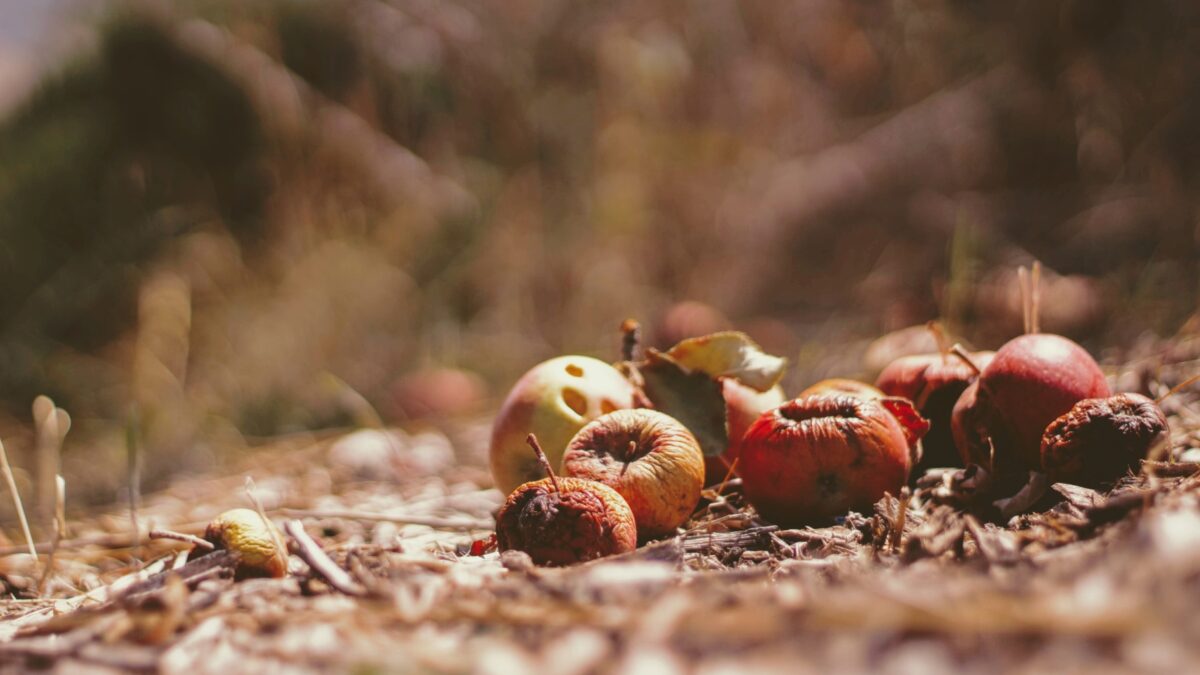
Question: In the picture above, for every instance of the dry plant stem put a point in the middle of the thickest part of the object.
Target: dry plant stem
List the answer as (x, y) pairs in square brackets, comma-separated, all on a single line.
[(428, 521), (728, 476), (179, 536), (939, 337), (962, 354), (1023, 280), (48, 445), (134, 469), (1035, 297), (531, 439), (60, 529), (1178, 388), (631, 338), (315, 557), (16, 496), (262, 513)]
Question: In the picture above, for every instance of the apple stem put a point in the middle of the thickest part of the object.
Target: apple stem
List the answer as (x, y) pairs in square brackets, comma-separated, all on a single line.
[(939, 337), (962, 354), (1177, 388), (532, 440), (1023, 280), (629, 456), (631, 338)]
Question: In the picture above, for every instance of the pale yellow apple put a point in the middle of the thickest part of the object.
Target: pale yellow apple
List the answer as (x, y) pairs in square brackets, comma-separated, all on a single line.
[(554, 400)]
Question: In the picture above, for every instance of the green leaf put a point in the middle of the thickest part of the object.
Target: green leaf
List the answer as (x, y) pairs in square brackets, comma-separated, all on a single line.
[(693, 398)]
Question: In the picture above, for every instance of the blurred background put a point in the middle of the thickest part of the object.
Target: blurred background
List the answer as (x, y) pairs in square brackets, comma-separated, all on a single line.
[(221, 221)]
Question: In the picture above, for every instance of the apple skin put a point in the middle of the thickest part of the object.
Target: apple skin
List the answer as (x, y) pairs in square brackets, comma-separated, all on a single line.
[(743, 405), (934, 383), (1031, 381), (817, 457), (649, 458), (553, 400)]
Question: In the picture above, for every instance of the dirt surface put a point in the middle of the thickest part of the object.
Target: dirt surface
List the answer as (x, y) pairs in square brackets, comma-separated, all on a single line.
[(1082, 581)]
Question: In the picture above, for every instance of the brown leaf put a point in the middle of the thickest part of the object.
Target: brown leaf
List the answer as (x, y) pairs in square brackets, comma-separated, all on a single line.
[(693, 398)]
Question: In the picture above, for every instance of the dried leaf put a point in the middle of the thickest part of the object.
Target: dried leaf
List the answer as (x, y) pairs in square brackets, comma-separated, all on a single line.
[(693, 398), (730, 354), (911, 422)]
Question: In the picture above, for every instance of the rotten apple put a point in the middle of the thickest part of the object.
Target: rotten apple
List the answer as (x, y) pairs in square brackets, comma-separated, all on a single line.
[(743, 405), (817, 457), (1102, 439), (554, 400), (562, 520), (649, 458), (933, 382), (999, 420)]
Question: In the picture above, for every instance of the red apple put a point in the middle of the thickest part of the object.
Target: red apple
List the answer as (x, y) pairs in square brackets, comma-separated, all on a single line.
[(817, 457), (933, 382), (554, 400), (743, 405), (1031, 381)]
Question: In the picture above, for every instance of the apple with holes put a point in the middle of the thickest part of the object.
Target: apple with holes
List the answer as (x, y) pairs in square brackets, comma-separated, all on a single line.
[(818, 457), (553, 400)]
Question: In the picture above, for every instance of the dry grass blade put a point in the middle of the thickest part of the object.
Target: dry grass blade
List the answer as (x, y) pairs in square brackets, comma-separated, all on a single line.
[(435, 522), (16, 497)]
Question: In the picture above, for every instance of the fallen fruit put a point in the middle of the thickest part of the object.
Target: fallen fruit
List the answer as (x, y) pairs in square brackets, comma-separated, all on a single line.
[(1031, 381), (562, 520), (1101, 439), (743, 405), (553, 401), (815, 458), (648, 457), (256, 541), (933, 382)]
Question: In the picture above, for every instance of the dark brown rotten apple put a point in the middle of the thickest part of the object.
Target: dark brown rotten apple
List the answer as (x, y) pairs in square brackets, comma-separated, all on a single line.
[(562, 520), (1101, 439)]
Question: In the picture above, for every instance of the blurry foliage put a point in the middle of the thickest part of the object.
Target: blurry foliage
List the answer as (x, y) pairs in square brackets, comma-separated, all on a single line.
[(817, 172)]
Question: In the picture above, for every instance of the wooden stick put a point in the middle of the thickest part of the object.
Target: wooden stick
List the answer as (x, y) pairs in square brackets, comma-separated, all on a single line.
[(320, 562), (16, 496), (202, 544)]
